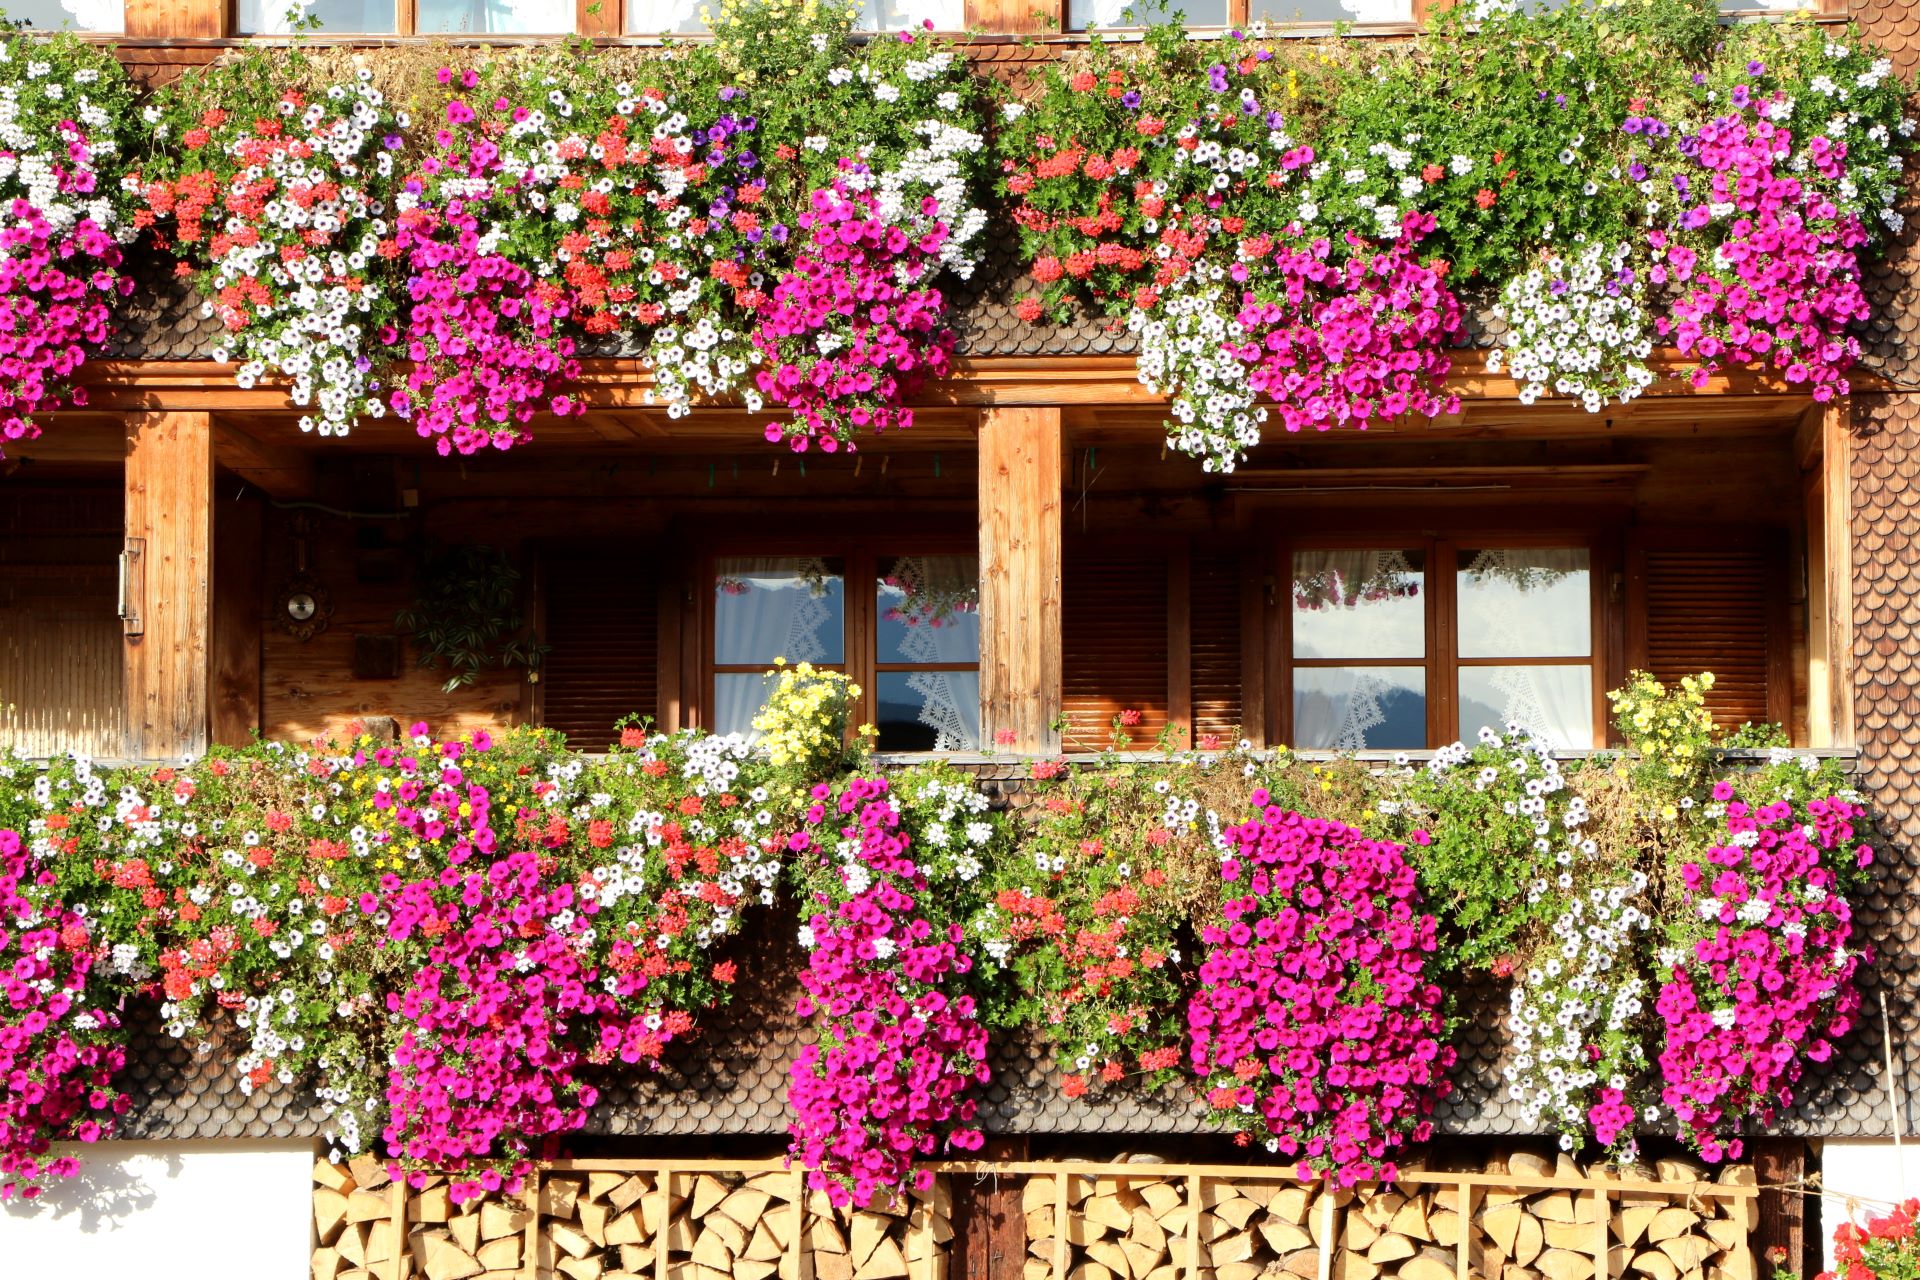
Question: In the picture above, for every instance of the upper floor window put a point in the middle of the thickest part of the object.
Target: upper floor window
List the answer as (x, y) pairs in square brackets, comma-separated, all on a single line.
[(70, 15), (1082, 14), (429, 17), (682, 17), (911, 640), (1404, 647)]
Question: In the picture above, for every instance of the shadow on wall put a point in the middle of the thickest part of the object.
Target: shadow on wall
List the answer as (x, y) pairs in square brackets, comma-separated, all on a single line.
[(104, 1195)]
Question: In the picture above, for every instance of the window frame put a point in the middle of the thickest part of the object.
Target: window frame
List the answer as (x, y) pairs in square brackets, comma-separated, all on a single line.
[(860, 559), (1442, 661)]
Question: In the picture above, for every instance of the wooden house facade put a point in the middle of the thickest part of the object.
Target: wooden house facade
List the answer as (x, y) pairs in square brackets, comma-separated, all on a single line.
[(198, 571)]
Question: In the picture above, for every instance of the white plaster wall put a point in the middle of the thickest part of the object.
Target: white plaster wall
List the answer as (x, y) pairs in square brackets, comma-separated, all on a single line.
[(168, 1211), (1866, 1177)]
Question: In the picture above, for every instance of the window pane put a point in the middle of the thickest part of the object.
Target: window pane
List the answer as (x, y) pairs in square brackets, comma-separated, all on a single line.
[(897, 15), (929, 609), (660, 17), (1082, 14), (495, 17), (270, 17), (1355, 708), (1327, 12), (928, 710), (70, 15), (1525, 604), (1359, 604), (768, 607), (737, 699), (1555, 702)]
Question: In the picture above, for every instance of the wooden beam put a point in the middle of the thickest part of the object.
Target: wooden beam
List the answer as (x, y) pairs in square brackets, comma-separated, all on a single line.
[(238, 608), (1020, 671), (177, 19), (1837, 484), (169, 507), (279, 469)]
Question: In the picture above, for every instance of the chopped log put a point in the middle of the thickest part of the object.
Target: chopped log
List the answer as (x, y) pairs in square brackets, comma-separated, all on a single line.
[(582, 1268), (353, 1245), (1239, 1271), (1235, 1212), (448, 1261), (1238, 1247), (628, 1229), (1577, 1236), (1090, 1271), (762, 1247), (1142, 1258), (329, 1213), (1378, 1209), (1162, 1197), (824, 1235), (334, 1177), (325, 1263), (1284, 1237), (1564, 1264), (500, 1255), (1630, 1223), (1565, 1166), (1655, 1265), (1443, 1226), (1037, 1270), (1689, 1253), (1111, 1210), (1502, 1225), (708, 1192), (1389, 1249), (1671, 1223), (1429, 1264), (1737, 1265), (1040, 1223), (431, 1205), (1291, 1203), (1529, 1242), (1410, 1219), (369, 1206), (1348, 1265), (637, 1258), (745, 1206), (680, 1234), (1213, 1227), (735, 1236), (1738, 1175), (1360, 1232), (623, 1196), (1110, 1255), (1528, 1164), (558, 1197), (369, 1171), (1304, 1263), (499, 1218), (869, 1229), (762, 1269), (1679, 1169), (1555, 1206), (568, 1238), (782, 1221), (593, 1216), (710, 1250)]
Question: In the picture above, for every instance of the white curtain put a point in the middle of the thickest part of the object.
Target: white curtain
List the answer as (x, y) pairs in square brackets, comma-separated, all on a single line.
[(275, 17), (1336, 707), (1533, 602), (1357, 604), (941, 595), (662, 17), (496, 17), (768, 607)]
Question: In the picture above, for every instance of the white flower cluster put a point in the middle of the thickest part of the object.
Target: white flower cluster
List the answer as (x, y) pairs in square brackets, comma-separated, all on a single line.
[(312, 325), (53, 122), (1183, 355), (937, 170), (1578, 999), (957, 832), (1577, 326)]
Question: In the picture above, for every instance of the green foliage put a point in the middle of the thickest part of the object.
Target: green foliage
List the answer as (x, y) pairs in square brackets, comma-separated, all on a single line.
[(467, 613)]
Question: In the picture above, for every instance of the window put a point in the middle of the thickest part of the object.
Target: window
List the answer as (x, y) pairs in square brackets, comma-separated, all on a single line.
[(911, 640), (682, 17), (73, 15), (1082, 14), (430, 17), (1402, 647)]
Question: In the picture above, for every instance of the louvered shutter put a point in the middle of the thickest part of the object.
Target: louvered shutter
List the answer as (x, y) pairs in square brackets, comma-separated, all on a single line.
[(1113, 626), (1709, 604), (1215, 648), (602, 623)]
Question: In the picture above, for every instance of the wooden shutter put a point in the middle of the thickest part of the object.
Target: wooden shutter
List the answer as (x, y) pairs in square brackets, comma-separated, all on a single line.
[(1113, 630), (61, 675), (602, 623), (1215, 648), (1706, 603)]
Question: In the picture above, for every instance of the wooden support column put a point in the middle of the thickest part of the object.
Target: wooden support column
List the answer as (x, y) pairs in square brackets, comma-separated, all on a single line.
[(169, 530), (1780, 1163), (1020, 672), (1836, 481), (989, 1226)]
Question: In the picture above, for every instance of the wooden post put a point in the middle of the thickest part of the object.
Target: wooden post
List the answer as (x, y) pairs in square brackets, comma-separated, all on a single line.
[(1020, 672), (989, 1227), (1180, 644), (169, 509), (1060, 1212), (1780, 1162), (1836, 456)]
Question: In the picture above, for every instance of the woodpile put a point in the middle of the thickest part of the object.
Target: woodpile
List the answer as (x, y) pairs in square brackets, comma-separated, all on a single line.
[(1553, 1223), (619, 1224)]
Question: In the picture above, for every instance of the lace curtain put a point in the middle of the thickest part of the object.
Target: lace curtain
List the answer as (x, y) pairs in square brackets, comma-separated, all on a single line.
[(1213, 13), (769, 607), (1533, 603), (80, 15), (937, 599), (660, 17)]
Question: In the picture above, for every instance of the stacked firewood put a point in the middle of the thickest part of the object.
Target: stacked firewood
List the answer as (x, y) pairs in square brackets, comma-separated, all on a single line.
[(613, 1224), (1142, 1227)]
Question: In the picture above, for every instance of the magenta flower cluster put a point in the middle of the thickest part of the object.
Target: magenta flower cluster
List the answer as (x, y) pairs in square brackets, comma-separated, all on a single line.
[(1315, 1023), (901, 1045), (854, 327), (1341, 343), (1765, 265), (488, 341), (56, 291), (60, 1048), (1768, 985)]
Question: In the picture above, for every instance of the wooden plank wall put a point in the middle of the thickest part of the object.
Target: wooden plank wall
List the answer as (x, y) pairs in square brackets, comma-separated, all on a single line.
[(169, 509)]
